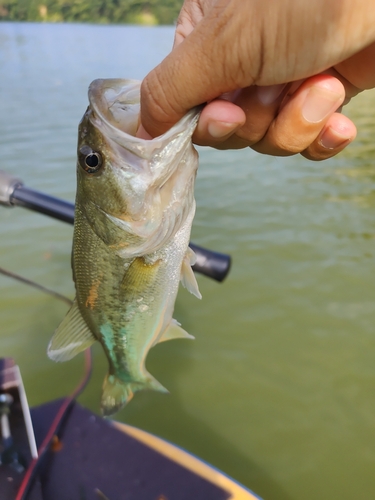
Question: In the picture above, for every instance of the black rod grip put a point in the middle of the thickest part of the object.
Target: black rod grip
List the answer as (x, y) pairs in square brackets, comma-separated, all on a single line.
[(215, 265), (43, 203)]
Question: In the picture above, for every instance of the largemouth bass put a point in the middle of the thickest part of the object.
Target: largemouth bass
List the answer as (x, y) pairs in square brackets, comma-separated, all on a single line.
[(133, 215)]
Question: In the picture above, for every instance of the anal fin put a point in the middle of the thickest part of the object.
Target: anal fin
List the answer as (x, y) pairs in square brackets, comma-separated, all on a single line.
[(174, 331), (71, 337)]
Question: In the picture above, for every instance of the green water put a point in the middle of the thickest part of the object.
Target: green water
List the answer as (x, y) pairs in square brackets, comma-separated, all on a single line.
[(278, 389)]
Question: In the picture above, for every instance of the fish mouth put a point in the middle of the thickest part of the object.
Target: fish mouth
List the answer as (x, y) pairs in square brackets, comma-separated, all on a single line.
[(115, 104)]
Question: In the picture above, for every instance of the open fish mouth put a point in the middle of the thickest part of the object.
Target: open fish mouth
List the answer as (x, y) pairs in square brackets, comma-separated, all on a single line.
[(156, 177), (115, 103), (116, 109)]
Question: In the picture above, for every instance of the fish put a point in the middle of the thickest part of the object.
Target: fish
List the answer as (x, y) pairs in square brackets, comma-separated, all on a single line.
[(133, 215)]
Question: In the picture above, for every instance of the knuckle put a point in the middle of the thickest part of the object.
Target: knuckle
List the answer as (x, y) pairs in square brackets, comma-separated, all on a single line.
[(313, 156), (315, 153), (290, 139), (287, 145), (251, 136)]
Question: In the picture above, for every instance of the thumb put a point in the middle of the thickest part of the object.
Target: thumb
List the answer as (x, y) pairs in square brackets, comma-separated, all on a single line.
[(198, 70)]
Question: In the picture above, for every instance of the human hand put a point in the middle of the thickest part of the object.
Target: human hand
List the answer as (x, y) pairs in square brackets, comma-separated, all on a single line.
[(217, 53)]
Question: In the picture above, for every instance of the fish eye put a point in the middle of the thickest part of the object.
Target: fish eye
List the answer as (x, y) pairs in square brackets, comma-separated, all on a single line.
[(90, 160)]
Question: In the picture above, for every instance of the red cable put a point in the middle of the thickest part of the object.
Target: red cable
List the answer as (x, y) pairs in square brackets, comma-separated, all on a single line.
[(30, 472)]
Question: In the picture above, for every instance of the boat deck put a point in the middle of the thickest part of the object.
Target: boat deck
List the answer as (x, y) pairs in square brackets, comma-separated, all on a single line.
[(98, 459)]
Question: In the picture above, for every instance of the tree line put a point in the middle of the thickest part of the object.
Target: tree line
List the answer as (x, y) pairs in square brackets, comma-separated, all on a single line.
[(93, 11)]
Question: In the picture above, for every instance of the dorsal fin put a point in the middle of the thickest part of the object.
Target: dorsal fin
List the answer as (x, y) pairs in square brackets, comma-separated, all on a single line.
[(174, 331), (71, 337)]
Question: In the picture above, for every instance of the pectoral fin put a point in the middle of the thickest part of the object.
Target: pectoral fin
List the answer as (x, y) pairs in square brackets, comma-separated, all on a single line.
[(188, 278), (174, 331), (71, 337)]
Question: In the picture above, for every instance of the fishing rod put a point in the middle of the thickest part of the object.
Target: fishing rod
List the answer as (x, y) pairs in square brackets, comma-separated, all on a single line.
[(13, 192), (41, 288)]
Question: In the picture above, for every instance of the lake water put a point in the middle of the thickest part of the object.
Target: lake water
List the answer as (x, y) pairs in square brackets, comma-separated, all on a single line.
[(278, 389)]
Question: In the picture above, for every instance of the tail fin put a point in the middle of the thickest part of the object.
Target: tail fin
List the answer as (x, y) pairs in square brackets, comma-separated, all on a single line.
[(116, 393)]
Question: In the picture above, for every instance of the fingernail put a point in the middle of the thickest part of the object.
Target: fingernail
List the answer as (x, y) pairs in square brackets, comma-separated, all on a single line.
[(268, 95), (331, 139), (319, 103), (220, 129)]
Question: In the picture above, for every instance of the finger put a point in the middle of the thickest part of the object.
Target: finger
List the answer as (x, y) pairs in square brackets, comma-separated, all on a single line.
[(190, 15), (337, 133), (184, 79), (302, 116), (241, 123), (142, 134), (261, 106), (350, 90), (359, 69), (219, 121)]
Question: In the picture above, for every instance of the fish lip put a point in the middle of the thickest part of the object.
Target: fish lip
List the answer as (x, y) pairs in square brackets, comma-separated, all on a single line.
[(141, 147)]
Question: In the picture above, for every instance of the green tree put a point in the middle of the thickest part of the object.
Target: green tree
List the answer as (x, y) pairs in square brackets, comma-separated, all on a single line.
[(97, 11)]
